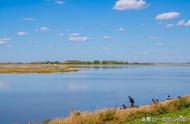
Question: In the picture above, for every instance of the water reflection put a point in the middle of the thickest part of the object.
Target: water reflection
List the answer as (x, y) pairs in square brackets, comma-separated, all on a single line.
[(75, 87), (4, 86)]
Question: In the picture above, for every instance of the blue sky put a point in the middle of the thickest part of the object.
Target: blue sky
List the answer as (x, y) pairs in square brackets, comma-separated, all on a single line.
[(127, 30)]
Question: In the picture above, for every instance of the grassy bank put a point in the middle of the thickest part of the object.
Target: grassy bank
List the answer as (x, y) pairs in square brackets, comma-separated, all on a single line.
[(167, 109), (34, 68)]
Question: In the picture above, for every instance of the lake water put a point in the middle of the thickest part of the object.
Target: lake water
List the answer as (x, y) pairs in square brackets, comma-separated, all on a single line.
[(38, 97)]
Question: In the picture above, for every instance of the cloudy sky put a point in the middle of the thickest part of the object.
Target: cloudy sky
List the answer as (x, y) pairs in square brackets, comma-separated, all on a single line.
[(133, 30)]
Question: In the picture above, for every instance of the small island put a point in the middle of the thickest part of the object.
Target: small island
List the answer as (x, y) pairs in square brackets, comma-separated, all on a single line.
[(34, 68)]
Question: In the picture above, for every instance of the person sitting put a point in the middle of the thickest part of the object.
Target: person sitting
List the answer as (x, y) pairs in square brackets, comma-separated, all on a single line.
[(124, 106), (153, 101), (132, 101), (169, 97), (157, 101)]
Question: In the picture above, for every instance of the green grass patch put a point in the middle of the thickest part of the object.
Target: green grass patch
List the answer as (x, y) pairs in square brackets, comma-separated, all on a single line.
[(178, 117)]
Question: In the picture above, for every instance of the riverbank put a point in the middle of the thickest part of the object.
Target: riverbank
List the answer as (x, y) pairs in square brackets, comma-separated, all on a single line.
[(173, 111), (34, 68)]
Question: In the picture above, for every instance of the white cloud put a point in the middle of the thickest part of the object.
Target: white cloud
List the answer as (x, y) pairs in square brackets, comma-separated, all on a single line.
[(170, 25), (77, 37), (59, 2), (167, 16), (183, 23), (28, 19), (4, 41), (129, 4), (180, 23), (42, 29), (22, 33), (106, 37), (120, 29)]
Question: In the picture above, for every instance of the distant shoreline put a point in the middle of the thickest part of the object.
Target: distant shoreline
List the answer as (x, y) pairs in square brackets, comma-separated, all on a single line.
[(56, 67), (92, 63)]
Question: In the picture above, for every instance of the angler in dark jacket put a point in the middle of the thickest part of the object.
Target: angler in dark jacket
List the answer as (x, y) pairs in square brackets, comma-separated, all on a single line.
[(132, 101)]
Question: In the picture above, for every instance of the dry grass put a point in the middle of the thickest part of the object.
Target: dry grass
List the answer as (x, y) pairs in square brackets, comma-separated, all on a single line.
[(34, 68), (117, 116)]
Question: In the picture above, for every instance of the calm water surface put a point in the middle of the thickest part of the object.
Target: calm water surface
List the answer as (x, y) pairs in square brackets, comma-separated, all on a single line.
[(45, 96)]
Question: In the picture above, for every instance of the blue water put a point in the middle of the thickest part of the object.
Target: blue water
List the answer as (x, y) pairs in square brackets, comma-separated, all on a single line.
[(36, 97)]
